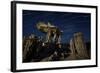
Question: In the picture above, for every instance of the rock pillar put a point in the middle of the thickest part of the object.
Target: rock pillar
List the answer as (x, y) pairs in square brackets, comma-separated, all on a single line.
[(80, 45)]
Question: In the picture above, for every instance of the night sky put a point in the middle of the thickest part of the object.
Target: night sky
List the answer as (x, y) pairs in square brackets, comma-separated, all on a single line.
[(68, 22)]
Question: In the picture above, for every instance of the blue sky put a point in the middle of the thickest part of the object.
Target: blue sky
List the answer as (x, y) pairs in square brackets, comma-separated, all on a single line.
[(68, 22)]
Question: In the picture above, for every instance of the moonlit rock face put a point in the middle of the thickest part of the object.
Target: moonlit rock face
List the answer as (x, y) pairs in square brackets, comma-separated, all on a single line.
[(44, 27), (80, 45)]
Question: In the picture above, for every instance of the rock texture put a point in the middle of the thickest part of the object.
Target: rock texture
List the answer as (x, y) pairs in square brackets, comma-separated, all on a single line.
[(78, 47), (72, 49), (36, 50)]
